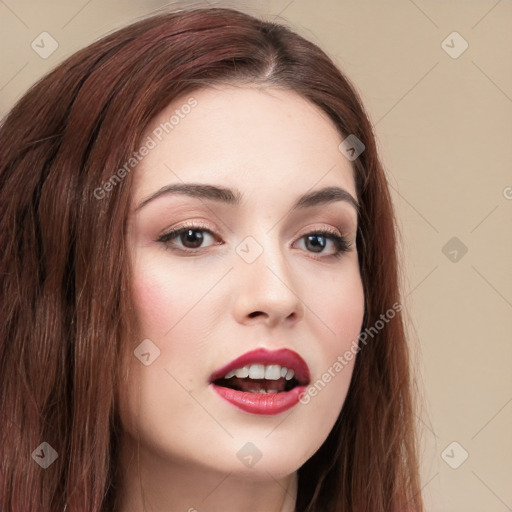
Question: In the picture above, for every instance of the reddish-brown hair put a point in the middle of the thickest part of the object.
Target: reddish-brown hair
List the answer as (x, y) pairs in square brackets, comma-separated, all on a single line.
[(65, 271)]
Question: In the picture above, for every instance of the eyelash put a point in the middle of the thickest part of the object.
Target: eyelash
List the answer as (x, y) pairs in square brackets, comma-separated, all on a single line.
[(341, 243)]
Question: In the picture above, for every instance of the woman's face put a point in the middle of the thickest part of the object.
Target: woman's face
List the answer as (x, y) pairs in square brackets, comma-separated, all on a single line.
[(259, 267)]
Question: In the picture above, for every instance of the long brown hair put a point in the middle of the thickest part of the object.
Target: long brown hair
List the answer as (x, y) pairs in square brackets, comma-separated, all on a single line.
[(65, 274)]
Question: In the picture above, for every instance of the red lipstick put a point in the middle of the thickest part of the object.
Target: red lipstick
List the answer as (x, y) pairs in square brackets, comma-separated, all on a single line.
[(276, 381)]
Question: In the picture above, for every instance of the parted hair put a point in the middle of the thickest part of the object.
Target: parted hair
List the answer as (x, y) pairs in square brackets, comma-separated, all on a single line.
[(66, 307)]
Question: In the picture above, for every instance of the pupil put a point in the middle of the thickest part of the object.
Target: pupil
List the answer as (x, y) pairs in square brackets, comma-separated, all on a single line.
[(315, 242), (192, 238)]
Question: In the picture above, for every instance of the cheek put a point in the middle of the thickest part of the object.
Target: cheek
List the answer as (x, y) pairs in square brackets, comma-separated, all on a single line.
[(161, 305), (160, 300), (345, 314), (171, 303), (153, 300), (340, 305)]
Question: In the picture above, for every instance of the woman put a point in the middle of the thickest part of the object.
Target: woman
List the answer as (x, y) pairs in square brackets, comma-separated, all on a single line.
[(200, 305)]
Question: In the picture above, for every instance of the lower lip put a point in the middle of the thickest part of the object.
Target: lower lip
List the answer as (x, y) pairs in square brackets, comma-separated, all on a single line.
[(261, 403)]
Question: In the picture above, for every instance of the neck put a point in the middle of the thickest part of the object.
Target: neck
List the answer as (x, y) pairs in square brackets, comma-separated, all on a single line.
[(153, 484)]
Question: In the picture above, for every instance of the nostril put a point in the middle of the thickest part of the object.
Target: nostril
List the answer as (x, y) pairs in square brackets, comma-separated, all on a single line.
[(255, 313)]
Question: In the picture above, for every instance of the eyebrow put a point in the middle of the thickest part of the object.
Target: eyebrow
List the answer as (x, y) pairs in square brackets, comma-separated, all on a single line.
[(234, 197)]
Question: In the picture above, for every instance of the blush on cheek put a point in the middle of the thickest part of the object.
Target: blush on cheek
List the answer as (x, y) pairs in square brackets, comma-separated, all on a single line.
[(343, 312), (154, 304)]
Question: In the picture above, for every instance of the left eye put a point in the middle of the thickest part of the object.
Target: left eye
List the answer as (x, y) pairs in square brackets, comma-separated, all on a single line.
[(316, 242)]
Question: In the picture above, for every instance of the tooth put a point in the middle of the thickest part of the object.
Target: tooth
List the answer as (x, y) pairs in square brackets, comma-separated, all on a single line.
[(230, 374), (242, 373), (272, 391), (272, 372), (290, 374), (256, 371), (284, 371)]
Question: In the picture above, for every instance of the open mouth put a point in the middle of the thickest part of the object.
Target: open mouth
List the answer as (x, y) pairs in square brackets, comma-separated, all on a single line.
[(262, 382), (259, 378)]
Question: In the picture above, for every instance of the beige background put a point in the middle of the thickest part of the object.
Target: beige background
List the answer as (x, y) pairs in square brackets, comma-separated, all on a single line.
[(445, 135)]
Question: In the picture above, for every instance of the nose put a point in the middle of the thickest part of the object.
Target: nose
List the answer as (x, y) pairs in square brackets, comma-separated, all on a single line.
[(264, 292)]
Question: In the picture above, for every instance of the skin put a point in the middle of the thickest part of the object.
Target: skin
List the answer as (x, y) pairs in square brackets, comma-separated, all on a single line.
[(203, 309)]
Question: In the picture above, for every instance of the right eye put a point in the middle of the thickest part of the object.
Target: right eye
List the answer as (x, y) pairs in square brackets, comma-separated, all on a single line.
[(190, 238)]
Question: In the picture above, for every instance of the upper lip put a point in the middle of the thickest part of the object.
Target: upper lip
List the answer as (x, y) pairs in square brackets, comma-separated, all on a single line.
[(282, 357)]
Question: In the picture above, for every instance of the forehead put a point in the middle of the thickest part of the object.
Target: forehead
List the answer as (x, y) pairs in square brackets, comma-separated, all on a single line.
[(248, 137)]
